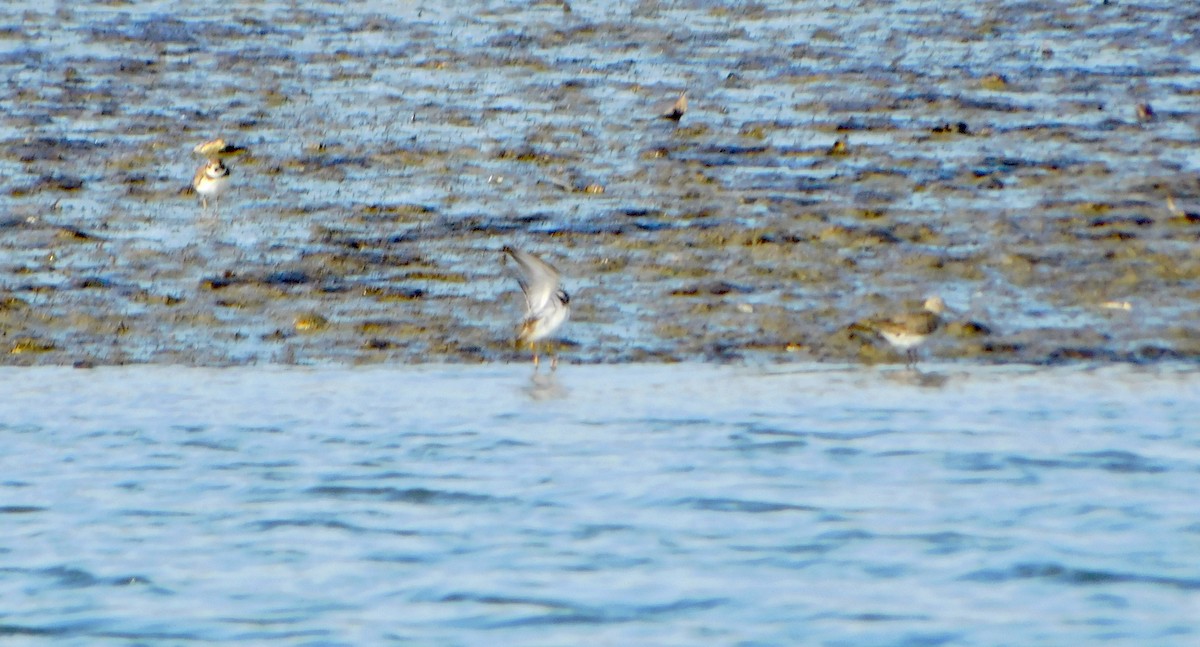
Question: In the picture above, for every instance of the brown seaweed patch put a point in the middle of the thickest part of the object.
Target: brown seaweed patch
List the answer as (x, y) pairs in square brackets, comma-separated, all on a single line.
[(287, 278), (142, 296), (10, 303), (392, 211), (530, 155), (957, 128), (72, 234), (435, 277), (310, 322), (400, 329), (753, 131), (716, 288), (967, 329), (378, 327), (27, 345), (91, 282), (846, 236), (1121, 221), (46, 149), (56, 182), (227, 279), (1113, 235), (994, 82), (692, 131), (1182, 219), (393, 294)]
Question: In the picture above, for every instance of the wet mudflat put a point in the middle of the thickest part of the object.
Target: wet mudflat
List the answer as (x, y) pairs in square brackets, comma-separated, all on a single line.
[(1015, 158)]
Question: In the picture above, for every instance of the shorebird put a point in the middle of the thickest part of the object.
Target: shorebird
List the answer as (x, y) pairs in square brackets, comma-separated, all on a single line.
[(676, 111), (547, 305), (210, 181), (908, 330), (217, 149), (1180, 213)]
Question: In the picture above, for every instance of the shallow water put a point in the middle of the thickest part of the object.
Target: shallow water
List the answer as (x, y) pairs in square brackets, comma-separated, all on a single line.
[(611, 505)]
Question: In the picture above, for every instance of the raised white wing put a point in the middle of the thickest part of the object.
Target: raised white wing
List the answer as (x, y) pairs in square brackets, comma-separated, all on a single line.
[(538, 280)]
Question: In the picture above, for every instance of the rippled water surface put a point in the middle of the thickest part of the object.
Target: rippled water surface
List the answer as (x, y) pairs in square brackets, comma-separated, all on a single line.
[(604, 505)]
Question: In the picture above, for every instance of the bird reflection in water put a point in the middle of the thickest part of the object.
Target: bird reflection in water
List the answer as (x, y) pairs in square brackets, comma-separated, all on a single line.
[(545, 386), (913, 376)]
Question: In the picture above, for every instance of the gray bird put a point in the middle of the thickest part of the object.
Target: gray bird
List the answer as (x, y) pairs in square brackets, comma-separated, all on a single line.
[(547, 305)]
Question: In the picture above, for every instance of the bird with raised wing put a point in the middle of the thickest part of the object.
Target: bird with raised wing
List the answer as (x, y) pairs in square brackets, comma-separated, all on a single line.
[(547, 305)]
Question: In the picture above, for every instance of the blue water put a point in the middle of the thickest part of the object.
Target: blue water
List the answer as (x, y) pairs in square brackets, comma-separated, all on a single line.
[(606, 505)]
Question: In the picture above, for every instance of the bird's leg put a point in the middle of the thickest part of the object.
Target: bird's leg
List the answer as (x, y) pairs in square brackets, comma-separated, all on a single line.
[(536, 362), (554, 361), (911, 356)]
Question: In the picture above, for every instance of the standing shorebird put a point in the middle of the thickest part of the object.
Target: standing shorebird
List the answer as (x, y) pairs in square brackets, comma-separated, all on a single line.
[(907, 331), (1180, 214), (212, 178), (677, 109), (547, 305), (210, 181)]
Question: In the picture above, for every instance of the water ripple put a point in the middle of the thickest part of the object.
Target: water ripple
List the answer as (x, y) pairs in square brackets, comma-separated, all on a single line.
[(419, 496), (1078, 576), (429, 513), (738, 505)]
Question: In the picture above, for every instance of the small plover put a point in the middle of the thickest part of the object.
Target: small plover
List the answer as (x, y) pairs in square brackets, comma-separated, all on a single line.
[(210, 181), (547, 305)]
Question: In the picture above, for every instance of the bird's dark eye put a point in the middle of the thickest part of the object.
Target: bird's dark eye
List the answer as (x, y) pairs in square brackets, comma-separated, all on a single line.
[(564, 297)]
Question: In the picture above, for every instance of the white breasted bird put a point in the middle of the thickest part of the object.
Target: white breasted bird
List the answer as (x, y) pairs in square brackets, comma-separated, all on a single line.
[(908, 330), (547, 305), (210, 181)]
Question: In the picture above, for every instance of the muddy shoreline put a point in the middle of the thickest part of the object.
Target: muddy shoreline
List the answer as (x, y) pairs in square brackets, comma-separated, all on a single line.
[(1015, 160)]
